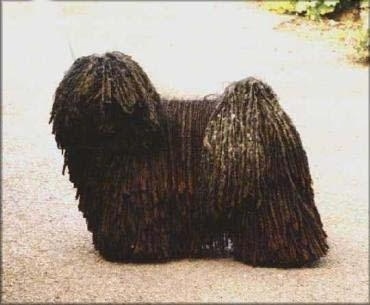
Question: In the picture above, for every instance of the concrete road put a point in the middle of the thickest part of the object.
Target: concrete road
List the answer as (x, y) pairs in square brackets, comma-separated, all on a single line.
[(187, 49)]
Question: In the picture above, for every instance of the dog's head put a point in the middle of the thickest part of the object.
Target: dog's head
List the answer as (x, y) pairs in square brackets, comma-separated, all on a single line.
[(106, 100)]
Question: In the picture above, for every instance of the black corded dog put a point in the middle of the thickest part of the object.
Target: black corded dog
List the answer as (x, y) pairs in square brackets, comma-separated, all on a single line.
[(163, 179)]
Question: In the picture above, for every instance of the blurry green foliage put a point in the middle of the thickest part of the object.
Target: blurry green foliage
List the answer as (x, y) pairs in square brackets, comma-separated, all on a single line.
[(313, 9), (358, 37), (361, 44)]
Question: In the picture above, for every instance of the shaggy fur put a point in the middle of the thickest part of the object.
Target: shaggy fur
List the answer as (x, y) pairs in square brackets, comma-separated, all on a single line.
[(164, 179)]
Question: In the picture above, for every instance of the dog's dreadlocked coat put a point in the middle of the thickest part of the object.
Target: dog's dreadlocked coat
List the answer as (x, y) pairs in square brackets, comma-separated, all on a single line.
[(162, 179)]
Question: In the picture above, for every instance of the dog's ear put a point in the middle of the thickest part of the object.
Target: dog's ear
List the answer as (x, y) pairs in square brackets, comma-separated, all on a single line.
[(106, 101), (256, 167)]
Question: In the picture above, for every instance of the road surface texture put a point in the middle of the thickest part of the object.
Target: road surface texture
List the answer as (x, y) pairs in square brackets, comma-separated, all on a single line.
[(187, 49)]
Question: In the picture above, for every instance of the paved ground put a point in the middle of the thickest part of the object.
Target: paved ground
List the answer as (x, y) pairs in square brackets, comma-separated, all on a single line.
[(185, 48)]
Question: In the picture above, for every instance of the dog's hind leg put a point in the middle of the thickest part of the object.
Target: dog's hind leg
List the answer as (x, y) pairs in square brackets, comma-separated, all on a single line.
[(255, 166)]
